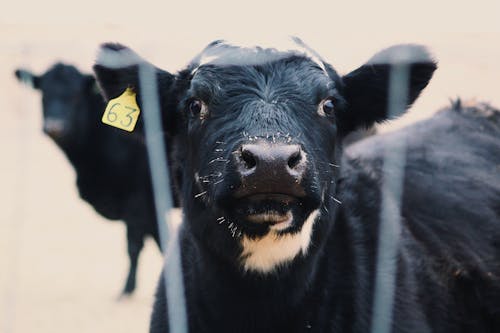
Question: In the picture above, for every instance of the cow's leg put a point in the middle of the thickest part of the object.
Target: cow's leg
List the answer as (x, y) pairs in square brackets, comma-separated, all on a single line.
[(156, 236), (135, 243)]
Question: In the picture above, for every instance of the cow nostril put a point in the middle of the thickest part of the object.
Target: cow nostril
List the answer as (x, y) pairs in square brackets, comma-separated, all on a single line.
[(295, 159), (248, 159)]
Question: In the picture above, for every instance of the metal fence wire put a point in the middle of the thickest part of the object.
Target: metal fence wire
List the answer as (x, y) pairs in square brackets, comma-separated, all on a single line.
[(173, 279), (390, 212)]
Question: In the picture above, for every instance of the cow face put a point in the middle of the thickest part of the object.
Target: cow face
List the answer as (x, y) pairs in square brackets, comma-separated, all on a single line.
[(64, 90), (258, 132)]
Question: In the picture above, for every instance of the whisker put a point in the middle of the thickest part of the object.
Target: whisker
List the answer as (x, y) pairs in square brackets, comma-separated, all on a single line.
[(219, 181), (200, 194), (335, 199), (218, 159), (233, 229), (212, 175)]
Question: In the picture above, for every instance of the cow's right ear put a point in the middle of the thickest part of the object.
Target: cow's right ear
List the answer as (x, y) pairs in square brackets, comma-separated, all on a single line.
[(28, 78), (117, 68), (367, 88)]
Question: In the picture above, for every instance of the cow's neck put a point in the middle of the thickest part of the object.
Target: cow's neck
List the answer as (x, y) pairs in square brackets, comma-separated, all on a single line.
[(83, 146), (219, 290)]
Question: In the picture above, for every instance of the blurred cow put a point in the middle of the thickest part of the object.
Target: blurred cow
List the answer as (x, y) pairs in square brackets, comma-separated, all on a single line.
[(111, 166)]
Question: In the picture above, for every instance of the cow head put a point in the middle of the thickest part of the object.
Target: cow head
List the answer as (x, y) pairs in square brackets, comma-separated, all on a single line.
[(258, 137), (64, 93)]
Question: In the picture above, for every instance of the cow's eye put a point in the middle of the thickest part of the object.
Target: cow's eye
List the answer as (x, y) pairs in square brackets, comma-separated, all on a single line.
[(198, 108), (326, 107)]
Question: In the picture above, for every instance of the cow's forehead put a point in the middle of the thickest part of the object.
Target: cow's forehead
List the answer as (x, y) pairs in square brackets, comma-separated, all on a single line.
[(63, 69), (63, 74), (62, 79), (247, 53)]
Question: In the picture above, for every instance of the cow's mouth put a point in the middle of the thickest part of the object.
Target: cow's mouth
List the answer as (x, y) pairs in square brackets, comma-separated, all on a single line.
[(257, 208), (273, 219), (267, 211)]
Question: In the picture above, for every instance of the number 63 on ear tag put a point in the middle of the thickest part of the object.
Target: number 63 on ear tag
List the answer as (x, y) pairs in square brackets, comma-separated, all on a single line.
[(122, 112)]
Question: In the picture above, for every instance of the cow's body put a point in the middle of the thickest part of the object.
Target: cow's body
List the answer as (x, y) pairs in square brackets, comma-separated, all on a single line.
[(449, 252), (280, 228), (448, 262), (111, 167)]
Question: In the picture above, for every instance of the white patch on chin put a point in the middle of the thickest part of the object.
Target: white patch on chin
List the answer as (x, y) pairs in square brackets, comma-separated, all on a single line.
[(268, 252)]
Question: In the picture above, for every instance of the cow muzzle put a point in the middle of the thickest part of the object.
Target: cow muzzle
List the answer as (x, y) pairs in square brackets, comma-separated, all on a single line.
[(270, 182)]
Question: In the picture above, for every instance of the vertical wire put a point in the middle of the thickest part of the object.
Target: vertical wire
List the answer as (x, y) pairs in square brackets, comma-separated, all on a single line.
[(390, 213), (174, 285)]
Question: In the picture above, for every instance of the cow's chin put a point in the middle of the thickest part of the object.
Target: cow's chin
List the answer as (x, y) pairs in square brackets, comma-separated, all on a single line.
[(259, 213), (272, 229)]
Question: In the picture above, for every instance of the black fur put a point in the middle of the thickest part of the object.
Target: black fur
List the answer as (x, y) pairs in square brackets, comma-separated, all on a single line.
[(262, 95), (111, 165), (450, 244)]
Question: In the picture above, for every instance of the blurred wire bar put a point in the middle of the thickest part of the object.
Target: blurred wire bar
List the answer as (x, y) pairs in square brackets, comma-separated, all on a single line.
[(390, 212), (158, 162)]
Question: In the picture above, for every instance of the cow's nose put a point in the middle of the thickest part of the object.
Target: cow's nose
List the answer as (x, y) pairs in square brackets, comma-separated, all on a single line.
[(270, 168), (275, 159), (53, 127)]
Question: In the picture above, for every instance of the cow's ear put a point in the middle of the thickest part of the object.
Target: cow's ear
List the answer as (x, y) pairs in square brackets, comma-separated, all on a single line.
[(366, 89), (28, 78), (117, 68)]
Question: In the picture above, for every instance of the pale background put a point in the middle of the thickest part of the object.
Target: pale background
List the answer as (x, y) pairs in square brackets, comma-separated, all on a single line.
[(62, 265)]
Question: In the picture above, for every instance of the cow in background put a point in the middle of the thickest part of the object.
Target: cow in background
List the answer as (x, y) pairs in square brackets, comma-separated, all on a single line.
[(111, 166)]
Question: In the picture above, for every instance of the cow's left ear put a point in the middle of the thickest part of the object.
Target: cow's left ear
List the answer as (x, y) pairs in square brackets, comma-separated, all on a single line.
[(366, 89), (117, 68), (28, 78)]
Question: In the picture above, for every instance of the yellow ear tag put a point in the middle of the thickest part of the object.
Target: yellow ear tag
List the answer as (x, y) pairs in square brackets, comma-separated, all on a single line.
[(122, 112)]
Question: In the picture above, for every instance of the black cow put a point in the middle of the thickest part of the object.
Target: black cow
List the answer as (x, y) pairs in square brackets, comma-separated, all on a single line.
[(280, 230), (111, 166)]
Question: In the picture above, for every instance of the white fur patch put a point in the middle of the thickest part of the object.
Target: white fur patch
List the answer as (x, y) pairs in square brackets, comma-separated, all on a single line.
[(266, 253), (230, 53), (117, 58), (402, 54)]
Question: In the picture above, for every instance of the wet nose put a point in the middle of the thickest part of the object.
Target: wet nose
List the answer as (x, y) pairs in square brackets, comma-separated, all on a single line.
[(267, 167), (271, 159), (53, 127)]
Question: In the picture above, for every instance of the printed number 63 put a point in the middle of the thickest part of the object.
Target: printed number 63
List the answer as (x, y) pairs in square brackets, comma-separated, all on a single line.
[(129, 117), (113, 116)]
